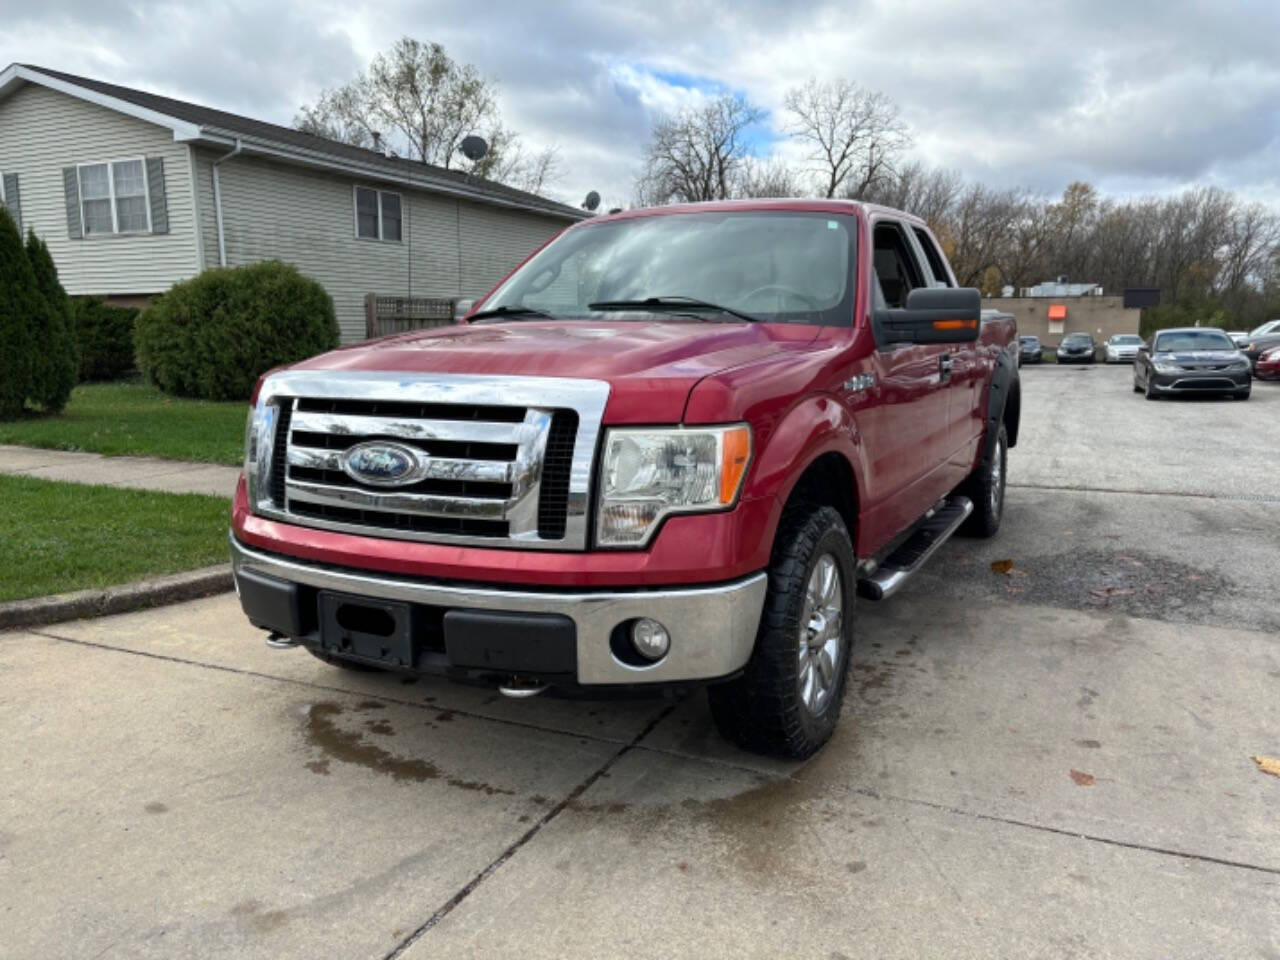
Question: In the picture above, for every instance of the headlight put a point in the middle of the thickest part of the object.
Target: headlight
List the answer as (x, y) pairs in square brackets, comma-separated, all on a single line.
[(1270, 355), (646, 474), (1241, 363), (1165, 366), (259, 437)]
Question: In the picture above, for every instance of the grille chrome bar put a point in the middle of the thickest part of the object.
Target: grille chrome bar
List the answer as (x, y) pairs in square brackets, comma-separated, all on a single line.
[(484, 443), (437, 468), (427, 505), (475, 431)]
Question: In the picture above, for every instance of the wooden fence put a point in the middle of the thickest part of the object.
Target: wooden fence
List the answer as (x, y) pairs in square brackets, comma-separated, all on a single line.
[(384, 315)]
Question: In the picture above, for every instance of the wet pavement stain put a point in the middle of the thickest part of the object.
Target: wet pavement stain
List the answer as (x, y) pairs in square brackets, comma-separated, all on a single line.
[(350, 747), (155, 806)]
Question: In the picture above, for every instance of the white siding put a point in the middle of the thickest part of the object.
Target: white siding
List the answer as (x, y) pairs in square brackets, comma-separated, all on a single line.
[(42, 131), (273, 210)]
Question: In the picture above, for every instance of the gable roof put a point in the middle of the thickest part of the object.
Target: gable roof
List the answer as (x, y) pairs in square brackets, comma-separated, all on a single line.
[(195, 123)]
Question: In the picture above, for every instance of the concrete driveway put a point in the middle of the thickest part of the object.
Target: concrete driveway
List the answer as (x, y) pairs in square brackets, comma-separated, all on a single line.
[(1053, 762)]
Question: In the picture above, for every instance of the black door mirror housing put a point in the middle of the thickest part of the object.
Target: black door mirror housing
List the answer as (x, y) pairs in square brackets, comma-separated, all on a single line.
[(933, 315)]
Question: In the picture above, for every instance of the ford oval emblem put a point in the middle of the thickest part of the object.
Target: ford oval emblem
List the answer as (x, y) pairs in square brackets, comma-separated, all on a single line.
[(382, 464)]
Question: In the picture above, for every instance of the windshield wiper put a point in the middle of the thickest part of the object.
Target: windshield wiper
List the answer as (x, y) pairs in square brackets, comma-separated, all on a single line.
[(503, 313), (689, 303)]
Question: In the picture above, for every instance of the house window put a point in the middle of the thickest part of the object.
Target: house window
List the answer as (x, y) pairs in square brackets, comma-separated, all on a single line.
[(379, 215), (113, 198)]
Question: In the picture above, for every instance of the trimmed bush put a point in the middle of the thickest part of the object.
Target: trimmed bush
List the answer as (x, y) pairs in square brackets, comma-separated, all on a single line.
[(213, 335), (56, 360), (105, 337), (22, 309)]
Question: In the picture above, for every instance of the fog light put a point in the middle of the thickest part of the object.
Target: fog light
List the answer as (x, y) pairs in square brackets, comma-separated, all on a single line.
[(650, 638)]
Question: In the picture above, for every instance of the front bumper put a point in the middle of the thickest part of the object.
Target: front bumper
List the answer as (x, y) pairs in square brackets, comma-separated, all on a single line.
[(712, 628), (1200, 381), (1084, 357)]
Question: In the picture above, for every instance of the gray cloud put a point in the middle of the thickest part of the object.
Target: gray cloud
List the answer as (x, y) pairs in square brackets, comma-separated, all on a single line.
[(1130, 96)]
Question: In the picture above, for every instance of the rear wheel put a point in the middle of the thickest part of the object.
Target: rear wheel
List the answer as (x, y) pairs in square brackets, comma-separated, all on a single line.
[(985, 487), (788, 699)]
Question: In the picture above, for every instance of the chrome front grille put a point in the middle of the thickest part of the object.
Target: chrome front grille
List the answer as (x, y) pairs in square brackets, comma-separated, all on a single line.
[(506, 461)]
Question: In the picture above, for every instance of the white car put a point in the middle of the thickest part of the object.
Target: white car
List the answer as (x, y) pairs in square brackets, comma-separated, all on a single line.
[(1268, 328), (1239, 337), (1123, 348)]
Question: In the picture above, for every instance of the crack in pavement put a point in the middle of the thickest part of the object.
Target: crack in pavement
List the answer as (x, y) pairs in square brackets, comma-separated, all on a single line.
[(512, 850)]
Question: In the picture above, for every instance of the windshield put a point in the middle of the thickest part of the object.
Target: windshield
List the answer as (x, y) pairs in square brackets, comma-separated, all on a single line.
[(1181, 340), (776, 266), (1126, 339), (1076, 338), (1029, 341)]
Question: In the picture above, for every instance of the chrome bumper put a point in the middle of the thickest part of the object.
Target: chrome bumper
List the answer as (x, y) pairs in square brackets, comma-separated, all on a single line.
[(713, 629)]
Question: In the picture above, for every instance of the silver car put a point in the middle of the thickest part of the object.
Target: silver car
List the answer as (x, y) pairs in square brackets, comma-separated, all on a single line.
[(1123, 348)]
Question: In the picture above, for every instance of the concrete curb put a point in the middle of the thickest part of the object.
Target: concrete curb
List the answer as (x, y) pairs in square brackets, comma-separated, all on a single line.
[(174, 588)]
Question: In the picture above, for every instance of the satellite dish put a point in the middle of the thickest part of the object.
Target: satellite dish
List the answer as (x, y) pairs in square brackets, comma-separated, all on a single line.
[(474, 148), (592, 201)]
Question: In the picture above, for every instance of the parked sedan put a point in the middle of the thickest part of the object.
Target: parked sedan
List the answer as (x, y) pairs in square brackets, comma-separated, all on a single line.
[(1239, 337), (1123, 348), (1268, 365), (1266, 329), (1077, 348), (1257, 346), (1191, 360), (1030, 350)]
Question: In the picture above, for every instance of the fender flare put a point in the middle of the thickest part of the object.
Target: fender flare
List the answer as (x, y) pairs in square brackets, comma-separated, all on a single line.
[(1005, 384)]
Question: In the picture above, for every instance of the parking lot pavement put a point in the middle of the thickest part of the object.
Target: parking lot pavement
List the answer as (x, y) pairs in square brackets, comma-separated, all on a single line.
[(1035, 763)]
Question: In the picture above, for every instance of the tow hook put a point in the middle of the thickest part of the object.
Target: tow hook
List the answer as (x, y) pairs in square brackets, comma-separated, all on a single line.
[(278, 641), (521, 688)]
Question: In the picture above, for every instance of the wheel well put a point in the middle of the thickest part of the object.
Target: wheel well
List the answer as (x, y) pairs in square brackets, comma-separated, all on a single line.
[(1013, 412), (829, 482)]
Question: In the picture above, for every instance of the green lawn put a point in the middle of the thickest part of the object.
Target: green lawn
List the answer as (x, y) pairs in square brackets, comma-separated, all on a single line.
[(58, 537), (134, 418)]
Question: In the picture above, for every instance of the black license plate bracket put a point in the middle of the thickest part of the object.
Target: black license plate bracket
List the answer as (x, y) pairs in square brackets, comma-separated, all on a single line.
[(368, 628)]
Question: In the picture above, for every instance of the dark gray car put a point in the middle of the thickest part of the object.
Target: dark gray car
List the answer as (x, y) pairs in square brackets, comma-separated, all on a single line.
[(1191, 360)]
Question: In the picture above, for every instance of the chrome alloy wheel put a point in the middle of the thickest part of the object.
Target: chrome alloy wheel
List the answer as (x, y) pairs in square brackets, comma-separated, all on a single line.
[(997, 479), (821, 634)]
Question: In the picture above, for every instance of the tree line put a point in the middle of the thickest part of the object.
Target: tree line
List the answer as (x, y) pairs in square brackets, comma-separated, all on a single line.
[(1214, 256)]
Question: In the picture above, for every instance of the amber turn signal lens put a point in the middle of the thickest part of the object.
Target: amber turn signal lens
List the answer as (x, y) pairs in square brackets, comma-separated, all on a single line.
[(735, 453), (954, 324)]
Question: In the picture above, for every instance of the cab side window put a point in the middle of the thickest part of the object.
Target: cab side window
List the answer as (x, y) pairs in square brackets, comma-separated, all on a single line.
[(896, 271), (936, 265)]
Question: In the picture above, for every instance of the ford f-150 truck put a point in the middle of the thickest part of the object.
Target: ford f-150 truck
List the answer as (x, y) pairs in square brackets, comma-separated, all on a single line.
[(668, 450)]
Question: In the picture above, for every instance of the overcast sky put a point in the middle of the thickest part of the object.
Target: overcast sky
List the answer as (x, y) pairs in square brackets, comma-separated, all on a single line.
[(1133, 96)]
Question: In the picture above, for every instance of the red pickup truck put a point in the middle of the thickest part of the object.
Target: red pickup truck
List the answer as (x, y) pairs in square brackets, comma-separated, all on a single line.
[(668, 450)]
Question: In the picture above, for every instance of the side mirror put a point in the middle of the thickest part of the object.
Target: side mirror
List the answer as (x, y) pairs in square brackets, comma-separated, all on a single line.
[(934, 315)]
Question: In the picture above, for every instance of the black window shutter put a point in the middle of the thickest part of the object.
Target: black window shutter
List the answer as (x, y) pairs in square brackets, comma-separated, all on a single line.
[(159, 203), (12, 200), (71, 189)]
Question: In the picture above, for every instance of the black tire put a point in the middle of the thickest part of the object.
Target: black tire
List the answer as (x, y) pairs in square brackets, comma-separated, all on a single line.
[(1243, 394), (985, 487), (355, 666), (764, 710)]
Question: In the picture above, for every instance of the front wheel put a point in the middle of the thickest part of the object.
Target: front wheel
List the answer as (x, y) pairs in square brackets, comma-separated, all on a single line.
[(788, 699)]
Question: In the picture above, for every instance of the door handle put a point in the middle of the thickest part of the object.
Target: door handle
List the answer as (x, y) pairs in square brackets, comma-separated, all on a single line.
[(944, 367)]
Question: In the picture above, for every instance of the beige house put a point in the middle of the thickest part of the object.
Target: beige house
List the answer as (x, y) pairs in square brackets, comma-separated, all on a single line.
[(134, 192)]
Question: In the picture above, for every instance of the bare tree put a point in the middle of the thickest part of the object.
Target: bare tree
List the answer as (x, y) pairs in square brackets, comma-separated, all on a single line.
[(422, 103), (855, 136), (767, 178), (699, 154)]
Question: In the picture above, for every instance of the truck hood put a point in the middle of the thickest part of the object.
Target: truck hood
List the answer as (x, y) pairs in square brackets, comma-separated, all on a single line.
[(650, 365)]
